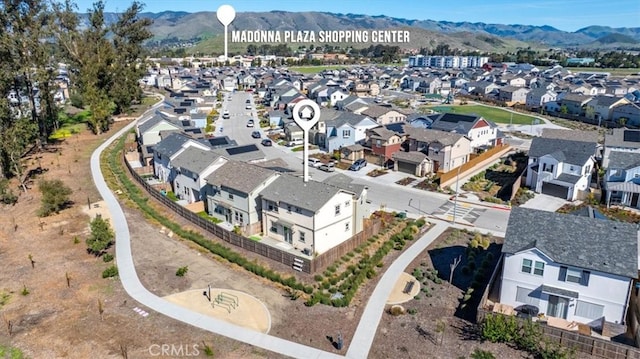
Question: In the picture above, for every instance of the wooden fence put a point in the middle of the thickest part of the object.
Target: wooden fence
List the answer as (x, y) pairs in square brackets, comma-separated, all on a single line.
[(225, 235), (596, 347), (446, 177), (371, 227)]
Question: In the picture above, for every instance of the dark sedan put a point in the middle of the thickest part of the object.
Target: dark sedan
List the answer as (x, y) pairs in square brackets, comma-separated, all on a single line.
[(256, 134), (266, 142)]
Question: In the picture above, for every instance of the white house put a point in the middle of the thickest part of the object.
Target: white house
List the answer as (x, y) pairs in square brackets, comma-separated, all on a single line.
[(148, 131), (571, 267), (312, 217), (191, 166), (232, 194), (559, 167), (480, 131), (168, 149)]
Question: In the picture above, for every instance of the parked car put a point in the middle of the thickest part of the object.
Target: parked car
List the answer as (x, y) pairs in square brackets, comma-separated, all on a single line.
[(248, 101), (314, 162), (225, 115), (250, 123), (256, 134), (248, 107), (358, 164), (295, 142), (327, 167), (267, 142)]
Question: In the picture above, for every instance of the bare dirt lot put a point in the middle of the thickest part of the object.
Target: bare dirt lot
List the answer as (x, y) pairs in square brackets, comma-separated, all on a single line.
[(52, 320)]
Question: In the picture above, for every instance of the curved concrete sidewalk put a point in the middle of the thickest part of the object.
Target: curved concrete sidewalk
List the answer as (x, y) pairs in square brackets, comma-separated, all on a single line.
[(137, 291), (365, 332)]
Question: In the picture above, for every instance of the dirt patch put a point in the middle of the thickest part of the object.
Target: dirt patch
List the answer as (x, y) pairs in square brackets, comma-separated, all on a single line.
[(55, 321)]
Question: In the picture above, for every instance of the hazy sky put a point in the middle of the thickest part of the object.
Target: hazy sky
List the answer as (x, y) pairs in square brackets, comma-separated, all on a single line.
[(568, 15)]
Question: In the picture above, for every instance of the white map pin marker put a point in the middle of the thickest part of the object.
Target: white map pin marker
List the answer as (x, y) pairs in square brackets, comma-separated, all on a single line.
[(226, 14), (306, 114)]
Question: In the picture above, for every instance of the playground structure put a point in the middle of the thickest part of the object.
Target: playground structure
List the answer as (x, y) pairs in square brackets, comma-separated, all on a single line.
[(226, 300)]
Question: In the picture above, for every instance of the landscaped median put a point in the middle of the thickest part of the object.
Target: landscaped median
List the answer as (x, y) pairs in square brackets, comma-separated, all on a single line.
[(338, 284)]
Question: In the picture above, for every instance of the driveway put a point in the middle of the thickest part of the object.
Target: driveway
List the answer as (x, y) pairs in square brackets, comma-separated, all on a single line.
[(545, 202)]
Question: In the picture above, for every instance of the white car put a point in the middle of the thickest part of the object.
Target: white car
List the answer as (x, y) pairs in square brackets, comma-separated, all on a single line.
[(250, 123)]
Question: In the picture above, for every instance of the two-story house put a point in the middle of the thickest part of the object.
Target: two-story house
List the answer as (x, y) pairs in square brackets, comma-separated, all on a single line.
[(347, 129), (481, 132), (575, 268), (560, 168), (383, 115), (445, 150), (312, 216), (513, 95), (148, 130), (538, 97), (190, 168), (232, 194), (169, 148), (601, 107), (384, 142), (575, 104)]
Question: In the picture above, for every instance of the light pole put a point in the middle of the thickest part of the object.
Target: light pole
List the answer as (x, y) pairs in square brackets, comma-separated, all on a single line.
[(455, 200)]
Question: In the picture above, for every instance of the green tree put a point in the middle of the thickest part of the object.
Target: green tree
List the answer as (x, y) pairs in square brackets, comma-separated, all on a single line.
[(101, 236), (55, 197)]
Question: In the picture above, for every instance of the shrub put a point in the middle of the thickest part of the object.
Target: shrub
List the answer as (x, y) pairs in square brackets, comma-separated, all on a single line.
[(417, 273), (420, 222), (396, 310), (110, 272), (55, 197), (499, 328), (108, 257), (473, 244), (412, 311), (482, 354), (182, 271), (317, 278)]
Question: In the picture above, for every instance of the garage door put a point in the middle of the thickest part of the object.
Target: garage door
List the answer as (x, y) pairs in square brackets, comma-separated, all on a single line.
[(406, 167), (555, 190)]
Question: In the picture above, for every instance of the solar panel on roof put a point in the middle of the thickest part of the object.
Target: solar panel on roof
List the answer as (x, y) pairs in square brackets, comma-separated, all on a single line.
[(631, 136), (242, 149), (450, 117)]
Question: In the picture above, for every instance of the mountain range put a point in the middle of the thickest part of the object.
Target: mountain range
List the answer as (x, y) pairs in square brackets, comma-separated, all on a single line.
[(184, 26)]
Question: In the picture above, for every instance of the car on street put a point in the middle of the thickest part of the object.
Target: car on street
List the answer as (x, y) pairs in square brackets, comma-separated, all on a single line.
[(327, 167), (250, 123), (248, 106), (225, 115), (358, 164), (255, 134), (295, 142), (314, 162), (266, 142)]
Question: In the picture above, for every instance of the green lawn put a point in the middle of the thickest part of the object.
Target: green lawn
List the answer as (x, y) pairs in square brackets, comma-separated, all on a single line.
[(315, 69), (494, 114)]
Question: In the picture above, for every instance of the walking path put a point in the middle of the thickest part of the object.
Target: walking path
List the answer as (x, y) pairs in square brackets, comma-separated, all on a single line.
[(364, 334)]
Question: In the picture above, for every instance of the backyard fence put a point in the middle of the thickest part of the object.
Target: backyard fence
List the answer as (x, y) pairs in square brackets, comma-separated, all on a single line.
[(319, 263), (446, 178), (596, 347)]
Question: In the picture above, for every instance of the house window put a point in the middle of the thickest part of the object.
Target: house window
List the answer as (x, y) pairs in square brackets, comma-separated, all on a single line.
[(589, 310), (239, 217), (289, 208), (273, 228), (525, 295), (527, 265), (346, 227), (347, 203), (346, 133), (337, 210), (574, 276), (230, 196), (301, 236), (378, 143)]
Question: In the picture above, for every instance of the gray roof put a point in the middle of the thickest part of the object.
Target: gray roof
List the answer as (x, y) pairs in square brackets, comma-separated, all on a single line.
[(566, 151), (617, 138), (573, 135), (194, 159), (240, 176), (153, 121), (429, 135), (457, 122), (602, 245), (311, 195), (171, 144), (567, 178), (607, 100), (344, 182), (624, 160), (411, 157)]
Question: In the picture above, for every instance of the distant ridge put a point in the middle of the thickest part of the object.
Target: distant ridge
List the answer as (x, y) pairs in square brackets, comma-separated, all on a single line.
[(200, 25)]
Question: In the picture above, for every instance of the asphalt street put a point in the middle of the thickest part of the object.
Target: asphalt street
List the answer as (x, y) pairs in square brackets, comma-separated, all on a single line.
[(382, 193)]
